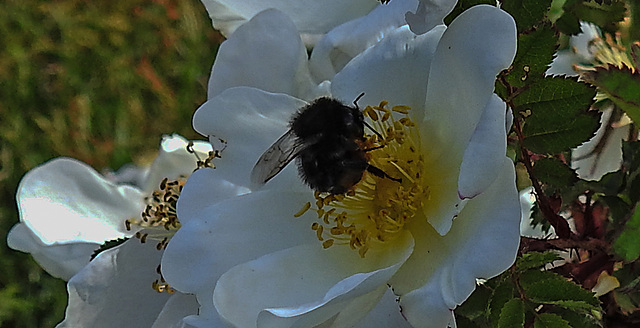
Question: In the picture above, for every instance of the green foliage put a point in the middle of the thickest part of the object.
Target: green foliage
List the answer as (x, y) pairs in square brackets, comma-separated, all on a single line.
[(98, 81), (512, 314), (502, 294), (530, 296), (605, 14), (621, 85), (626, 245), (550, 320), (559, 119), (535, 260), (526, 13), (554, 173), (535, 54), (562, 293)]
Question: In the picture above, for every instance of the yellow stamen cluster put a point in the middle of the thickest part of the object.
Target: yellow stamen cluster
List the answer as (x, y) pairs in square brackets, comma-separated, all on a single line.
[(377, 208), (608, 51), (159, 219)]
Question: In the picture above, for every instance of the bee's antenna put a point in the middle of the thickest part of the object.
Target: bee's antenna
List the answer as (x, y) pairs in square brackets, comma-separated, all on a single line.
[(355, 102)]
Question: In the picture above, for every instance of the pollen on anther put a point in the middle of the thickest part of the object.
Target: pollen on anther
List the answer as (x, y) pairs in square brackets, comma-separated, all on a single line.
[(327, 243), (376, 209), (303, 210)]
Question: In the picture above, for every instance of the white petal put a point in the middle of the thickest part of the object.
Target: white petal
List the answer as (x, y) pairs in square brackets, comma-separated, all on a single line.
[(65, 200), (307, 284), (482, 243), (207, 316), (563, 63), (59, 260), (114, 290), (401, 63), (217, 236), (266, 53), (486, 150), (177, 307), (444, 202), (479, 44), (174, 161), (250, 120), (429, 14), (344, 42), (591, 163), (310, 17)]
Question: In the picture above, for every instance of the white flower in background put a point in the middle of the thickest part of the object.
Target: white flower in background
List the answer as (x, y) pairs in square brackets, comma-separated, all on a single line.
[(428, 14), (282, 64), (314, 18), (67, 210), (579, 52), (454, 218), (603, 153)]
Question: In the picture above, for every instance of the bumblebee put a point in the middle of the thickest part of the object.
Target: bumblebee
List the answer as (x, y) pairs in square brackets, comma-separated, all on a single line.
[(326, 137)]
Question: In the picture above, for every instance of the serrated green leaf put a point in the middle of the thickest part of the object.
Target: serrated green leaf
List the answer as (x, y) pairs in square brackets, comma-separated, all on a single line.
[(560, 292), (501, 295), (575, 305), (535, 54), (556, 137), (565, 96), (621, 85), (568, 23), (534, 260), (512, 314), (476, 305), (631, 155), (530, 277), (618, 208), (550, 320), (463, 5), (627, 245), (577, 319), (611, 183), (604, 15), (559, 118), (554, 173), (527, 13), (633, 189)]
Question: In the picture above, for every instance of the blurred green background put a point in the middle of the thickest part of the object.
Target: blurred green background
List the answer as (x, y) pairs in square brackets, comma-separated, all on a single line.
[(99, 81)]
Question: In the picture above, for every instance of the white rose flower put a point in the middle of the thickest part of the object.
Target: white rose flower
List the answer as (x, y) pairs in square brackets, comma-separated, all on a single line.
[(454, 217), (67, 210)]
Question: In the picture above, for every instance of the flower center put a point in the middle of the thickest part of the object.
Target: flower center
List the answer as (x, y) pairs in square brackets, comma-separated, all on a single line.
[(378, 207), (159, 219), (608, 50)]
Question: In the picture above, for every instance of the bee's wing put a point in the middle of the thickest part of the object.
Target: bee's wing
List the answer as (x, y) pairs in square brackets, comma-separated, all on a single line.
[(274, 159)]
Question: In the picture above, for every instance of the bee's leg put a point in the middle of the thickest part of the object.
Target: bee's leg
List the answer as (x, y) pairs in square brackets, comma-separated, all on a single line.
[(374, 131), (373, 148), (381, 174)]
